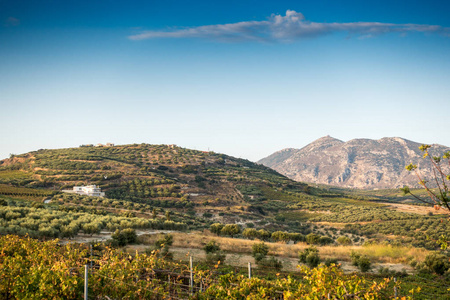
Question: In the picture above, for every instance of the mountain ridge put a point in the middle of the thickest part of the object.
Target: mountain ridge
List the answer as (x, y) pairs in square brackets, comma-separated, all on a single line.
[(358, 163)]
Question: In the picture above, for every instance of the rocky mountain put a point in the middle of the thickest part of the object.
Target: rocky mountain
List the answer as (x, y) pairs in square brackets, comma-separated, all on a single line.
[(358, 163)]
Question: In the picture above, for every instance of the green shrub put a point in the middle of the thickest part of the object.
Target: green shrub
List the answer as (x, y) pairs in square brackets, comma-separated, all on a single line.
[(312, 239), (230, 229), (362, 262), (344, 240), (271, 262), (324, 240), (329, 261), (163, 244), (211, 247), (437, 263), (259, 251), (213, 258), (310, 257), (124, 237)]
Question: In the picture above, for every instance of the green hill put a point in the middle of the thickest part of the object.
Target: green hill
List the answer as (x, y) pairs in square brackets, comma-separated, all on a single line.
[(142, 172)]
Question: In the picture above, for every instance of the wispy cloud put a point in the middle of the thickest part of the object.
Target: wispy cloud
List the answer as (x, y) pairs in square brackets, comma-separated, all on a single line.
[(290, 27), (11, 22)]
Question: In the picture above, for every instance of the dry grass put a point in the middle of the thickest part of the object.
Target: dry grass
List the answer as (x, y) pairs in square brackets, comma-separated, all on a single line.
[(378, 253), (415, 209)]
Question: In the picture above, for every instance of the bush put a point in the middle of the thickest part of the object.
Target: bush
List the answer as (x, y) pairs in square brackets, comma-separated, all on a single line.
[(329, 261), (280, 236), (213, 253), (250, 233), (324, 240), (259, 251), (310, 257), (211, 247), (230, 229), (362, 262), (312, 239), (263, 234), (216, 228), (124, 237), (271, 262), (437, 263), (297, 237), (165, 240), (163, 244), (213, 258), (344, 240)]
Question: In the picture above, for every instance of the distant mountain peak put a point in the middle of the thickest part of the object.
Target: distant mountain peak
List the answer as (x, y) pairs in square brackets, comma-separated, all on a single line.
[(358, 163), (326, 139)]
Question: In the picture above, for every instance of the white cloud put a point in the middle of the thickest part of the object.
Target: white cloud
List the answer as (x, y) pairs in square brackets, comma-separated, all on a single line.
[(11, 22), (290, 27)]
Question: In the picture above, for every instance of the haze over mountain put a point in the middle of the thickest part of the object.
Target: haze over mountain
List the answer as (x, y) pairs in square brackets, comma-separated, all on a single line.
[(358, 163)]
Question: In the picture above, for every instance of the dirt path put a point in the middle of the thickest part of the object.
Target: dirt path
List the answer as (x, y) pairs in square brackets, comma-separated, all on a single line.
[(106, 235)]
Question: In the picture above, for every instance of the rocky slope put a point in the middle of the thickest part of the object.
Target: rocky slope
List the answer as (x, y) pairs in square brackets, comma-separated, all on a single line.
[(358, 163)]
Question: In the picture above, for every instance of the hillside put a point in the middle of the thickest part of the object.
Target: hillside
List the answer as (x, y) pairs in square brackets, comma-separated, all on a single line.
[(167, 187), (141, 171), (142, 177), (358, 163)]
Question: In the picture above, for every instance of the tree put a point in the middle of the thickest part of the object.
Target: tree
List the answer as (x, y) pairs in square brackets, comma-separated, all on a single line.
[(263, 234), (437, 189), (230, 229), (312, 239), (439, 197), (250, 233), (280, 236), (216, 228)]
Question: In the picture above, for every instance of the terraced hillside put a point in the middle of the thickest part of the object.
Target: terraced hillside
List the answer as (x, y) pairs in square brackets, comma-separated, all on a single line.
[(142, 172)]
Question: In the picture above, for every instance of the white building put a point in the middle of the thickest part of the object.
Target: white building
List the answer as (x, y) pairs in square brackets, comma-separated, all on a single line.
[(89, 190)]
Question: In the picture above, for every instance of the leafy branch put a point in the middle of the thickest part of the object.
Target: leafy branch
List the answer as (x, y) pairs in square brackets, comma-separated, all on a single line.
[(439, 197)]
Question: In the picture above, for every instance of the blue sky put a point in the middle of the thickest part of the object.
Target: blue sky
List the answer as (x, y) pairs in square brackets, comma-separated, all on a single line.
[(245, 78)]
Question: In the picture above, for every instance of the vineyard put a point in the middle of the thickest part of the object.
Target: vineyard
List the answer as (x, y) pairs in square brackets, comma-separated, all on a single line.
[(48, 270), (24, 193)]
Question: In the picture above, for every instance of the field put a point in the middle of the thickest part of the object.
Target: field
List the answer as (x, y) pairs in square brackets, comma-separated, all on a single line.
[(199, 197)]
